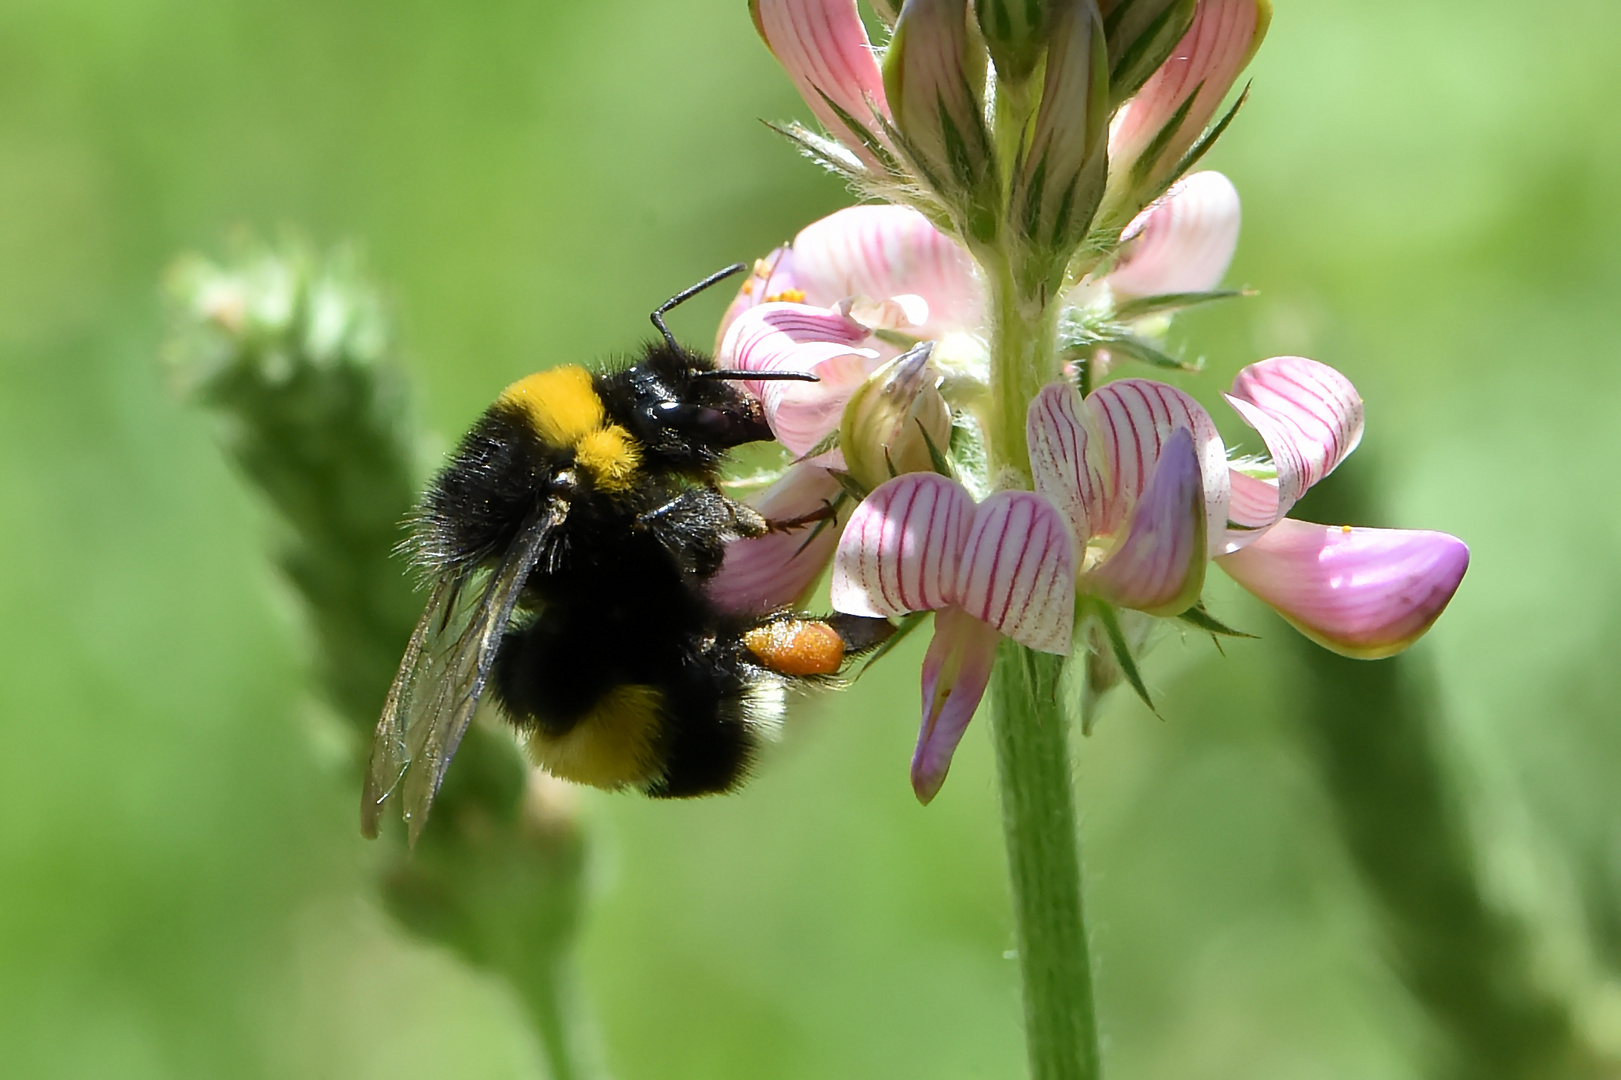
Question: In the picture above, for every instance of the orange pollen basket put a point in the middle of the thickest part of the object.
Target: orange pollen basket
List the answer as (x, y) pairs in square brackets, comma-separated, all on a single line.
[(797, 647)]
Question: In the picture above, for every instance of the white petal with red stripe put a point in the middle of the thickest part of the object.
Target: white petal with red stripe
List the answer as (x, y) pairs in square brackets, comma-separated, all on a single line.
[(1309, 416), (900, 549), (1133, 419), (798, 337), (1159, 566), (1363, 593), (879, 252), (1063, 456), (1018, 571)]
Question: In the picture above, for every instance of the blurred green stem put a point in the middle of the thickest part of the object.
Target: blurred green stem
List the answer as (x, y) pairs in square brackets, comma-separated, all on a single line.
[(1032, 746), (1373, 733)]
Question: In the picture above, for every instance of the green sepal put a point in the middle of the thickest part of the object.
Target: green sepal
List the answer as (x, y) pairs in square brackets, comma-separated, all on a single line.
[(852, 487), (1122, 651), (1134, 63), (870, 141), (1144, 306), (1198, 616), (830, 442), (1207, 140), (1144, 165), (908, 623), (941, 463)]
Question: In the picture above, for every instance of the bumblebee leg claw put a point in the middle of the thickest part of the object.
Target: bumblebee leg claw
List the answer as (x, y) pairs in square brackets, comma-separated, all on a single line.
[(826, 512)]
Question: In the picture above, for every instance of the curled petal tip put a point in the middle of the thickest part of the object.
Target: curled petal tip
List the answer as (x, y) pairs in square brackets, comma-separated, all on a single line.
[(1363, 593)]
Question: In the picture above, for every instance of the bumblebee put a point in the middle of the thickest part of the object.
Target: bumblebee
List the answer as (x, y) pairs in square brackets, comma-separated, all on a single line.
[(567, 544)]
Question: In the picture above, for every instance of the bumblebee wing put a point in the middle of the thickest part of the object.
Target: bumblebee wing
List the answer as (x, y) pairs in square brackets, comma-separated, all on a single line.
[(442, 676)]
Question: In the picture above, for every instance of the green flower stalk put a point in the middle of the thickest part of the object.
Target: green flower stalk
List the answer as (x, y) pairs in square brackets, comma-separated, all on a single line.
[(291, 353)]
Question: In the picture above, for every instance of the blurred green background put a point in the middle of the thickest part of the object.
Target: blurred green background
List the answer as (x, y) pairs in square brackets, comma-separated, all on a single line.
[(1429, 200)]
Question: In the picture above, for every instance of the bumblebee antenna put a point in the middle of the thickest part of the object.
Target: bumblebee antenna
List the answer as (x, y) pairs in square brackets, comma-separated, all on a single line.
[(687, 294), (761, 376)]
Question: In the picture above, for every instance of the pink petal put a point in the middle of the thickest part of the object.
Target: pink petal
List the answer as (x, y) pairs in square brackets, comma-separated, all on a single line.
[(1215, 49), (956, 670), (1184, 242), (1063, 461), (764, 573), (772, 278), (825, 50), (1018, 571), (882, 251), (1364, 593), (900, 549), (1159, 566), (1310, 417), (797, 337), (1134, 417)]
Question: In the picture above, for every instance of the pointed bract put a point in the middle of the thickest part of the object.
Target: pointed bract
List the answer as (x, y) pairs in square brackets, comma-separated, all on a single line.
[(1191, 82), (1363, 593), (933, 76)]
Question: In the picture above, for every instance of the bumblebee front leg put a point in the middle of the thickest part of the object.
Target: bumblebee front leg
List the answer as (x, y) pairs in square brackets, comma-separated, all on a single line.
[(697, 524)]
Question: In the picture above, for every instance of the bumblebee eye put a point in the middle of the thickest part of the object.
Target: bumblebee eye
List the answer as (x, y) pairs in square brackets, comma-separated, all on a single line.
[(688, 417)]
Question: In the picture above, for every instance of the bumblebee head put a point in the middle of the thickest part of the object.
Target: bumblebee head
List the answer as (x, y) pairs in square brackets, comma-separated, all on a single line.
[(681, 413)]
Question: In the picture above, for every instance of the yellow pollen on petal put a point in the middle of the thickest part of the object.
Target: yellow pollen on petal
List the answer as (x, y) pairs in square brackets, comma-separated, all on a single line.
[(791, 296), (763, 269), (1345, 528), (748, 287)]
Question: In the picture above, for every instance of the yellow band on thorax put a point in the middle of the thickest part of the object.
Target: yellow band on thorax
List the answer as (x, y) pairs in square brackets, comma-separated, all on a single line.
[(560, 402), (563, 407)]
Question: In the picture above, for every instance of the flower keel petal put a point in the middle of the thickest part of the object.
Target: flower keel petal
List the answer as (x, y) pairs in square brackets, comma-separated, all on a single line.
[(956, 670), (763, 573), (1159, 567), (1363, 593)]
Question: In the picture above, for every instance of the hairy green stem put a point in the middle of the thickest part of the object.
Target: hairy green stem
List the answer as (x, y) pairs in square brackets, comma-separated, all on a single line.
[(1032, 745), (1044, 865)]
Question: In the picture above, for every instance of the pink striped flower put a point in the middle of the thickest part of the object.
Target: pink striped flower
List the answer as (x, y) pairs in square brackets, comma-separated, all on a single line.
[(1002, 568), (1183, 243), (1124, 465), (1360, 592)]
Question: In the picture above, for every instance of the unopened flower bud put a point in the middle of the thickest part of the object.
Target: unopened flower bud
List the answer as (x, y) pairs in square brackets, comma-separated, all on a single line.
[(1061, 179), (891, 421), (1141, 35), (1156, 130), (1015, 31), (934, 74)]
